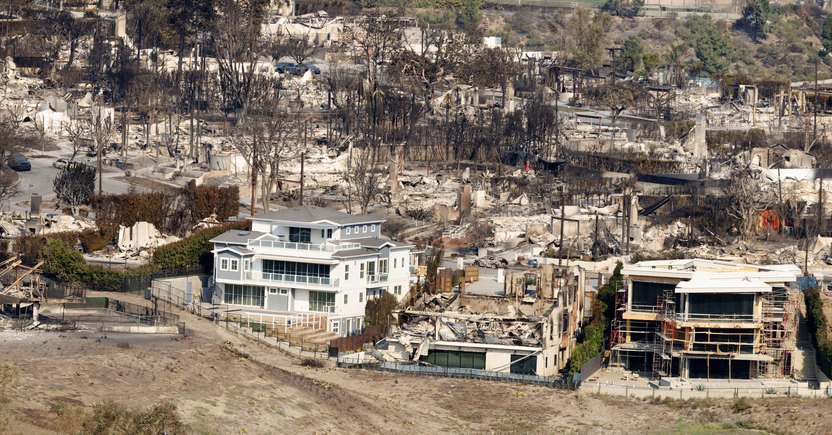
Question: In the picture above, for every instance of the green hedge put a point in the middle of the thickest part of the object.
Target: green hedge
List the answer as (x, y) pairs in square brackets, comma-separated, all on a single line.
[(64, 262), (593, 339), (818, 325), (193, 250)]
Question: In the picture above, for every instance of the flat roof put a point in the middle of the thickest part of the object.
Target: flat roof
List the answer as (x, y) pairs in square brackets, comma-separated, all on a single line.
[(697, 268), (698, 285)]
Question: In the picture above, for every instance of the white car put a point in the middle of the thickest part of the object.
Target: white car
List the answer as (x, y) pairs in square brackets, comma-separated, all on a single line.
[(61, 163)]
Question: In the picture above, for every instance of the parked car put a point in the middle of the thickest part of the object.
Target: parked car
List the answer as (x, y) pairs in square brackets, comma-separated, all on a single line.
[(491, 262), (60, 163), (284, 67), (289, 68), (19, 163), (313, 68)]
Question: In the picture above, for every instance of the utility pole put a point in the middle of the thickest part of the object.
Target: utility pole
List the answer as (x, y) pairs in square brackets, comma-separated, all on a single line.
[(820, 205), (253, 170), (302, 158), (562, 222), (815, 109), (805, 248)]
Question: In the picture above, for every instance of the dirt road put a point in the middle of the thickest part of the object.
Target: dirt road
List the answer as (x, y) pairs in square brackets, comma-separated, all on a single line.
[(222, 383)]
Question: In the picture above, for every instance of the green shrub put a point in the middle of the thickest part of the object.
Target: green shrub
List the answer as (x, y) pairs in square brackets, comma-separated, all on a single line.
[(818, 324), (30, 247), (63, 262), (193, 250), (103, 279)]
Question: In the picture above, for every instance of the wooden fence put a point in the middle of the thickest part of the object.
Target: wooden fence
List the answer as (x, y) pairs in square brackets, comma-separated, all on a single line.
[(356, 342)]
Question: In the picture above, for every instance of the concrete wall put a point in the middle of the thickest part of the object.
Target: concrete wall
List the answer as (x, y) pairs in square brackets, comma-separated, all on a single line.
[(174, 289), (498, 360)]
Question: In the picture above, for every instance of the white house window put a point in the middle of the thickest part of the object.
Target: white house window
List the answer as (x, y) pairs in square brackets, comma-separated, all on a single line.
[(272, 291), (224, 264), (235, 265), (300, 235), (348, 230), (284, 292), (346, 299), (382, 266), (372, 228), (364, 229), (346, 272), (357, 229), (361, 271), (333, 325), (247, 265), (397, 290), (395, 263), (361, 297)]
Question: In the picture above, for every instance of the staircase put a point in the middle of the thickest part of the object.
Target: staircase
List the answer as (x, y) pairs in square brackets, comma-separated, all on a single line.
[(311, 335), (805, 367)]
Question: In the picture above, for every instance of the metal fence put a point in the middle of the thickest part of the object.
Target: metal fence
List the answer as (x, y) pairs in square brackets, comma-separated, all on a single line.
[(701, 392), (139, 283), (448, 372), (593, 365)]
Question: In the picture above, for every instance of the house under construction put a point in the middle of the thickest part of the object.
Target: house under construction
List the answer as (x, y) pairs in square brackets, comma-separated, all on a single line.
[(706, 319)]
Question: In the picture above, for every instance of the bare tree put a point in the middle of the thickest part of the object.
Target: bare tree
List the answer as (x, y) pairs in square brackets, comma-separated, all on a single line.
[(236, 40), (74, 185), (78, 135), (102, 129), (15, 111), (267, 143), (363, 179), (377, 37), (746, 198), (299, 48)]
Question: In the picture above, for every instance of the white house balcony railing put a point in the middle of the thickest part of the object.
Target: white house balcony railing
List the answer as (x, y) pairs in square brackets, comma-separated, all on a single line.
[(286, 278), (321, 307), (377, 279), (322, 247)]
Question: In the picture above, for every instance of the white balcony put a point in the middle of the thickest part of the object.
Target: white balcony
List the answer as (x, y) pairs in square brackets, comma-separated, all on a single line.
[(296, 249), (285, 278)]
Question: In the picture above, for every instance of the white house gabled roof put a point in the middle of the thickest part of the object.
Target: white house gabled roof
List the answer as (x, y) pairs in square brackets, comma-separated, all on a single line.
[(310, 214), (704, 285), (237, 250)]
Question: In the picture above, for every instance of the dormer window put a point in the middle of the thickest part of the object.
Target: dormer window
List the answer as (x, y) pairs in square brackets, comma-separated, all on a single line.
[(364, 228), (348, 230), (372, 228)]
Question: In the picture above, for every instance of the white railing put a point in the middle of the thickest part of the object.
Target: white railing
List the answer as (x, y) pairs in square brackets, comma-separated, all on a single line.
[(377, 279), (323, 247), (322, 308), (317, 320), (286, 278)]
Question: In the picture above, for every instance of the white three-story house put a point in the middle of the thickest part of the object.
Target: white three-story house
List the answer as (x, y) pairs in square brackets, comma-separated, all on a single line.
[(309, 260)]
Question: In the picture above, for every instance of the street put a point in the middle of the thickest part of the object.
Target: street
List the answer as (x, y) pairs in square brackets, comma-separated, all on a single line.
[(40, 179)]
